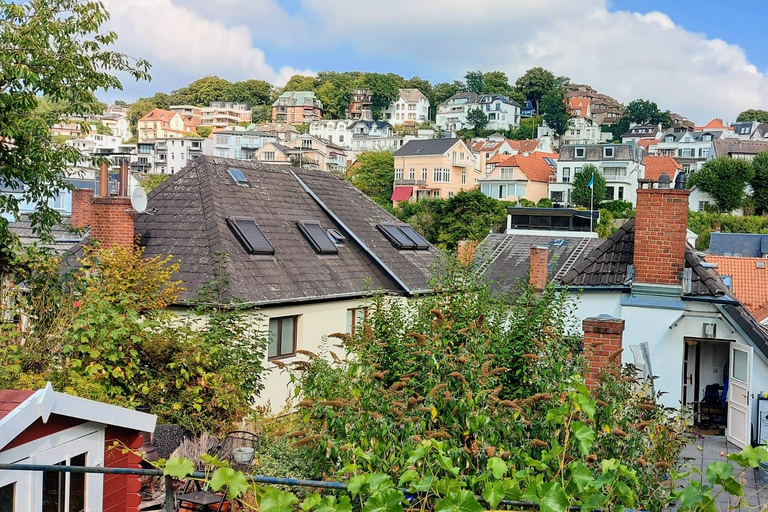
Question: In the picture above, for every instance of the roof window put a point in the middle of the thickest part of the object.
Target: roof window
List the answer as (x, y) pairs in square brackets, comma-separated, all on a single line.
[(336, 235), (317, 237), (250, 236), (403, 237), (238, 176), (421, 244)]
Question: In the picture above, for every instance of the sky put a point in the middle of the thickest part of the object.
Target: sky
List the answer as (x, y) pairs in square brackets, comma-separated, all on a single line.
[(700, 58)]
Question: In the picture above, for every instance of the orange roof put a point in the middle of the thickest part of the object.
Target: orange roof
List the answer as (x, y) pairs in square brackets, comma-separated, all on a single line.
[(523, 146), (10, 399), (487, 145), (749, 281), (531, 166), (655, 165), (497, 158), (647, 143), (715, 124), (158, 114), (579, 105)]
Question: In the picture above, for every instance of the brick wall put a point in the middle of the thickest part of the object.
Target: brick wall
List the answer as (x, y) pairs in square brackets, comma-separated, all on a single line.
[(112, 221), (602, 339), (660, 228), (538, 272), (81, 207)]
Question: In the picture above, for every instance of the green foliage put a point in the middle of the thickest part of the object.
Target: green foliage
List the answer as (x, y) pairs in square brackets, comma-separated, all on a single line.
[(384, 89), (252, 92), (646, 112), (335, 91), (477, 118), (299, 83), (724, 178), (102, 130), (373, 174), (536, 83), (582, 194), (204, 131), (203, 91), (55, 49), (604, 226), (703, 223), (760, 183), (619, 208), (761, 116), (544, 202), (527, 129), (474, 81), (555, 111)]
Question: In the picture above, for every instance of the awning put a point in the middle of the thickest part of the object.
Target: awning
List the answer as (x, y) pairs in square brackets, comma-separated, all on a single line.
[(402, 193)]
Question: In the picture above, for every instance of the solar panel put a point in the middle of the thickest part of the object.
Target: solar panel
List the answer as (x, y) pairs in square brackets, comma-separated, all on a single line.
[(421, 244), (250, 236), (317, 237), (396, 237), (238, 176)]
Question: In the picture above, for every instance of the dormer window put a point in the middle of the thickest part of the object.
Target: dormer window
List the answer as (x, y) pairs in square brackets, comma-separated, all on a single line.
[(669, 138), (706, 137), (580, 152), (608, 152)]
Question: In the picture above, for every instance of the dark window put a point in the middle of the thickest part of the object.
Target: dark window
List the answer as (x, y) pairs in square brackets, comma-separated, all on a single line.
[(609, 193), (396, 237), (77, 485), (621, 192), (539, 222), (317, 237), (561, 222), (282, 336), (7, 498), (250, 236), (421, 244), (557, 197), (238, 176), (521, 220), (53, 490)]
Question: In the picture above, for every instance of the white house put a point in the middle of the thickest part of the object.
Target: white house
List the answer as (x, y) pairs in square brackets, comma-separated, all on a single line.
[(690, 148), (342, 131), (502, 112), (411, 108)]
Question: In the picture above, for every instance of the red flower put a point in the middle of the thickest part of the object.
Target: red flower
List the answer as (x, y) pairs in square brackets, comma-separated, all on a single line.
[(77, 304)]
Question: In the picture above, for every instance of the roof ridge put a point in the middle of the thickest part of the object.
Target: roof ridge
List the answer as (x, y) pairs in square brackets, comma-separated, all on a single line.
[(593, 255)]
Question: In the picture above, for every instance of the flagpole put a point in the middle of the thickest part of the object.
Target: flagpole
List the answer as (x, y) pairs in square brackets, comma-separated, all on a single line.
[(591, 199)]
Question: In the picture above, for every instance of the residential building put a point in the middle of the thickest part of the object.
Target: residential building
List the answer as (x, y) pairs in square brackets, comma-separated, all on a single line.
[(689, 148), (737, 148), (746, 245), (645, 291), (297, 107), (239, 145), (620, 164), (411, 107), (655, 166), (305, 151), (642, 131), (188, 111), (116, 119), (519, 177), (581, 130), (66, 129), (502, 112), (46, 427), (164, 124), (304, 247), (166, 156), (681, 123), (603, 108), (341, 131), (747, 278), (487, 149), (700, 201), (221, 114), (360, 106), (715, 124), (281, 131), (433, 168)]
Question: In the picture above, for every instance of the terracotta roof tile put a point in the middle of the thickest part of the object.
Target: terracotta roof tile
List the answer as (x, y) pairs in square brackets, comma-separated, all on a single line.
[(580, 105), (535, 168), (523, 146), (749, 281), (655, 165), (647, 143), (158, 114), (715, 124), (11, 398)]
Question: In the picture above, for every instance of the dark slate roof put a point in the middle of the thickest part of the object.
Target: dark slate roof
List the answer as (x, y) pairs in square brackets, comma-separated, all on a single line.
[(64, 236), (608, 264), (738, 244), (429, 147), (190, 224), (594, 152), (507, 269)]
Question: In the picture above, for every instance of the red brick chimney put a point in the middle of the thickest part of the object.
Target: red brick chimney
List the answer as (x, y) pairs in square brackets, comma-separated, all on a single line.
[(660, 233), (538, 273), (602, 339), (81, 208), (112, 216)]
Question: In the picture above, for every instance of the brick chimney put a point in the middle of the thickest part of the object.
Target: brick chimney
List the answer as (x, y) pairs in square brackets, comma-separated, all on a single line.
[(538, 272), (660, 233), (81, 208), (112, 216), (602, 339)]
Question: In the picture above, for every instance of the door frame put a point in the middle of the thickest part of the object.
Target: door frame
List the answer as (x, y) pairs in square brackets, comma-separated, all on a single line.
[(739, 397), (23, 481)]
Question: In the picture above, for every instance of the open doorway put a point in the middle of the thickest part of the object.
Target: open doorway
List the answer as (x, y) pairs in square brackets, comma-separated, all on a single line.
[(705, 384)]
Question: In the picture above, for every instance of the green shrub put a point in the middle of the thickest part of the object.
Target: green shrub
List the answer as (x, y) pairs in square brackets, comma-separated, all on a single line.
[(703, 223), (544, 202), (619, 208)]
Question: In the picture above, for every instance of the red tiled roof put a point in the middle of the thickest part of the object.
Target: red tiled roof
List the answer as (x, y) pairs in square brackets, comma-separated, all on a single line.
[(715, 124), (487, 145), (10, 399), (749, 281), (497, 158), (580, 105), (523, 146), (402, 193), (647, 143), (158, 114), (655, 165), (531, 166)]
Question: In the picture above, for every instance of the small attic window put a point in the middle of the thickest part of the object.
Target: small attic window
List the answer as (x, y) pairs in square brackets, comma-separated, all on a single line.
[(317, 237), (760, 264), (396, 237), (336, 235), (421, 244), (250, 236), (419, 149), (238, 176)]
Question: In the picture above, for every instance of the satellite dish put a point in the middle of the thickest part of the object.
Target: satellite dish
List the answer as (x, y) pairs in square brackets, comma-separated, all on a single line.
[(139, 200)]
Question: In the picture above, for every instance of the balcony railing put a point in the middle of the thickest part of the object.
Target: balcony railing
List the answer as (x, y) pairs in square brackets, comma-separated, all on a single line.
[(410, 182), (617, 178)]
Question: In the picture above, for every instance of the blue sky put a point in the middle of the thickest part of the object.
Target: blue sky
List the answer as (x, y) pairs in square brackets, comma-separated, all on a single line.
[(699, 58)]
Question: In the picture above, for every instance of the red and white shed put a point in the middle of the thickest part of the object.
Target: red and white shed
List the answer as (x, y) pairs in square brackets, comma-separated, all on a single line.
[(47, 427)]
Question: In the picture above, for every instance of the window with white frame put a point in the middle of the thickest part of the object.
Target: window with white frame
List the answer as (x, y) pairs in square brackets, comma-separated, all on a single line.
[(398, 174), (411, 173), (580, 152), (608, 151), (268, 156), (506, 173), (566, 174), (464, 177), (441, 175), (282, 336)]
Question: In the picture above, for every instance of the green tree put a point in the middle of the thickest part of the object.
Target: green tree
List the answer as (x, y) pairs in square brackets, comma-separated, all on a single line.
[(335, 91), (760, 183), (204, 131), (252, 92), (419, 83), (151, 181), (647, 112), (299, 83), (724, 178), (527, 129), (384, 89), (555, 111), (582, 193), (469, 215), (374, 175), (137, 110), (204, 90), (51, 48), (441, 92), (477, 118), (474, 81), (535, 84), (761, 116), (496, 82)]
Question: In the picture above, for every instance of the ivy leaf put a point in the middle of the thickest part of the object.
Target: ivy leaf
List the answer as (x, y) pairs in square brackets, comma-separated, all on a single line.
[(310, 501), (585, 435), (494, 493), (594, 502), (329, 504), (581, 475), (178, 467), (409, 476), (378, 482), (554, 498), (498, 467), (355, 484), (717, 471), (625, 494), (461, 501), (275, 500), (732, 487), (386, 501), (234, 481), (586, 403)]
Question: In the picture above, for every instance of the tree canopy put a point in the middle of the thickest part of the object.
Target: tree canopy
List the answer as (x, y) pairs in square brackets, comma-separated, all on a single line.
[(761, 116), (760, 183), (55, 49), (477, 118), (647, 112), (374, 174), (555, 111), (535, 83), (581, 193), (724, 178)]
